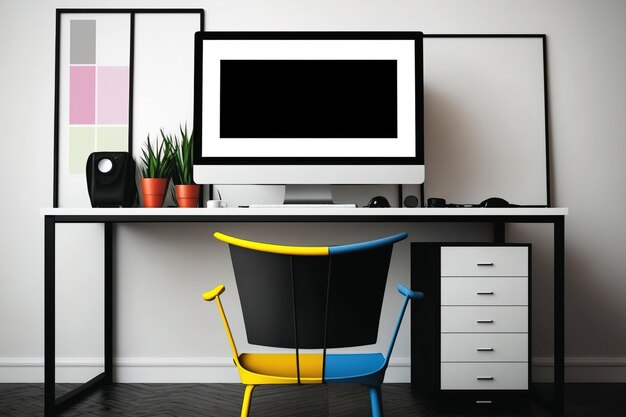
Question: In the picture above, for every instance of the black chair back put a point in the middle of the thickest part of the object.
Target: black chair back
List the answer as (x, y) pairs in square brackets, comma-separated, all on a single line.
[(311, 302)]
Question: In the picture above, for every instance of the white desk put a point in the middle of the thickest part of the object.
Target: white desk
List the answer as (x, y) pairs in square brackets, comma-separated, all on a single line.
[(144, 214), (110, 217)]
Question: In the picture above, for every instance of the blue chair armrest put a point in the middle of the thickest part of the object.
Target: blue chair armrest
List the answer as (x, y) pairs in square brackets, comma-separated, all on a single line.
[(415, 295)]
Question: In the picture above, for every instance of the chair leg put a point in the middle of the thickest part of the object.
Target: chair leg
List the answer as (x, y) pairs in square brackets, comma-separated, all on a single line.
[(377, 401), (247, 397)]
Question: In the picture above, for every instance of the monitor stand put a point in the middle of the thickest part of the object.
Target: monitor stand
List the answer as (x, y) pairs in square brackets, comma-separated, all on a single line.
[(308, 194)]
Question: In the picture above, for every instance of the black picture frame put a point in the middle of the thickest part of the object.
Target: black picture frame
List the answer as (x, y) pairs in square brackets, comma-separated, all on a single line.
[(546, 101), (100, 11)]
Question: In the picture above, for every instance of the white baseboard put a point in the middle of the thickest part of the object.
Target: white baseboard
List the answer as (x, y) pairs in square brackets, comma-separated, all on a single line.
[(21, 370), (30, 370), (582, 369), (150, 370), (220, 369)]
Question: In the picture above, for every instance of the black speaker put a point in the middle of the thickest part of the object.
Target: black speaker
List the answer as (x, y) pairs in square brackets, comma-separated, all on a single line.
[(111, 179)]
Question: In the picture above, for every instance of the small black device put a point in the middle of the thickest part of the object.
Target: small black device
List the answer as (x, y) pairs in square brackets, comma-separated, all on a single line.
[(111, 179), (441, 202), (496, 202), (411, 201), (378, 201), (490, 202)]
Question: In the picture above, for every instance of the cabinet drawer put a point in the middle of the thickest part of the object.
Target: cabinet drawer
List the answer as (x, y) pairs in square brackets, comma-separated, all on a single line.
[(484, 403), (484, 291), (484, 376), (484, 261), (460, 347), (484, 319)]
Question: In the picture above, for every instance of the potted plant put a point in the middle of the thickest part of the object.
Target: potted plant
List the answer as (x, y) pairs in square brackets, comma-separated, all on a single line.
[(187, 192), (156, 169)]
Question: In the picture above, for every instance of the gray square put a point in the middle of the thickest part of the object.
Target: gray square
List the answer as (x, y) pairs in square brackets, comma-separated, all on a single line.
[(82, 42)]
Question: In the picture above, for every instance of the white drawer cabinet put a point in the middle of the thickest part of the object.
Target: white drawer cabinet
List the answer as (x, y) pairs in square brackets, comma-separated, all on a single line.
[(481, 308), (484, 317)]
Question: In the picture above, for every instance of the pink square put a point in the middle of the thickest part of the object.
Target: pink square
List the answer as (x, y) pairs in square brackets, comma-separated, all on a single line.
[(82, 95), (112, 95)]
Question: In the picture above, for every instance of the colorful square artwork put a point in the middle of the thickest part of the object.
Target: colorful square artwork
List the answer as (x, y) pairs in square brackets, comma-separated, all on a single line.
[(82, 143), (112, 95), (82, 95), (112, 138), (82, 42), (99, 90)]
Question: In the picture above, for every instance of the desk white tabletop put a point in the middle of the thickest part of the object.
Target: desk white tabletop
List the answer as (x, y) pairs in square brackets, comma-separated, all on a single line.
[(299, 211)]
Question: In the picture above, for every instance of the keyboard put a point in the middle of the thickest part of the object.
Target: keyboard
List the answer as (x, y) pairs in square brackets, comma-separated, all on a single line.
[(301, 205)]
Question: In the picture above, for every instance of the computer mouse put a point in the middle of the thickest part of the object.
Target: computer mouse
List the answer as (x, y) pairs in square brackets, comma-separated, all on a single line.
[(495, 202), (378, 201)]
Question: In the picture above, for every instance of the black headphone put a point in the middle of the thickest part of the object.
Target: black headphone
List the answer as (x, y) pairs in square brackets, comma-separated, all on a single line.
[(490, 202)]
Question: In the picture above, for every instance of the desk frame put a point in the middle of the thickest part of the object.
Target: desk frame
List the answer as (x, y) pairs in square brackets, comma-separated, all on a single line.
[(110, 217)]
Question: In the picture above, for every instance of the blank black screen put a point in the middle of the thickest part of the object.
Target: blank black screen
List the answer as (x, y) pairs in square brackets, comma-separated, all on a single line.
[(308, 99)]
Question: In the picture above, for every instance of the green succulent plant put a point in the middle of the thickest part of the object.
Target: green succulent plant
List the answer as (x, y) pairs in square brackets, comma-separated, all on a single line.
[(158, 161)]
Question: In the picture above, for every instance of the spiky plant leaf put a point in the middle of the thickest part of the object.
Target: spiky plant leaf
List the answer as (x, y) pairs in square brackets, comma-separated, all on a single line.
[(183, 161), (157, 162)]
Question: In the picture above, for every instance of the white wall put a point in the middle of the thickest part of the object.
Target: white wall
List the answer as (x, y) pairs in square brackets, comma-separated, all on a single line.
[(162, 329)]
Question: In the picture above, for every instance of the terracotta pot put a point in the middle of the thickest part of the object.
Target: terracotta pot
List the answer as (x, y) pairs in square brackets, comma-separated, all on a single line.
[(153, 191), (187, 195)]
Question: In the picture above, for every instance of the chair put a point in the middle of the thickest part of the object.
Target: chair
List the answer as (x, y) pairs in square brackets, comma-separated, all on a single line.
[(311, 298)]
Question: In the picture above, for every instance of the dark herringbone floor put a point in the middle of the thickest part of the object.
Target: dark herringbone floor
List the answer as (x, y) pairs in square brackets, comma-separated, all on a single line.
[(223, 400)]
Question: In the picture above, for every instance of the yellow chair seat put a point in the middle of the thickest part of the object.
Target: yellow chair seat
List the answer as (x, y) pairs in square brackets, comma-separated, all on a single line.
[(280, 368)]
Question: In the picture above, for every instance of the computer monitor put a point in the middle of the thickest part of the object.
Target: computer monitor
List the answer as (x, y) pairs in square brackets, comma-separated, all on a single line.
[(308, 108)]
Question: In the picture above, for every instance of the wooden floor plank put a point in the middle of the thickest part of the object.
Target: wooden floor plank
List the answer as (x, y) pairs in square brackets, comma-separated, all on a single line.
[(224, 400)]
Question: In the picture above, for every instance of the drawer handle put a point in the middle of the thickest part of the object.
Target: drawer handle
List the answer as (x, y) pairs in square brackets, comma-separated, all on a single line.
[(484, 402), (484, 292), (484, 378), (484, 349), (485, 264), (484, 321)]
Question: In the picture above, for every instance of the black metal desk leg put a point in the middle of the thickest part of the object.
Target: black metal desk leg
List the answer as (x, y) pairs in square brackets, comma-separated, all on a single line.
[(108, 302), (53, 405), (499, 232), (49, 314), (559, 314)]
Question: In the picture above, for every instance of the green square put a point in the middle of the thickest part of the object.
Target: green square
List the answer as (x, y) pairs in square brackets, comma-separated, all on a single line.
[(112, 139), (82, 143)]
